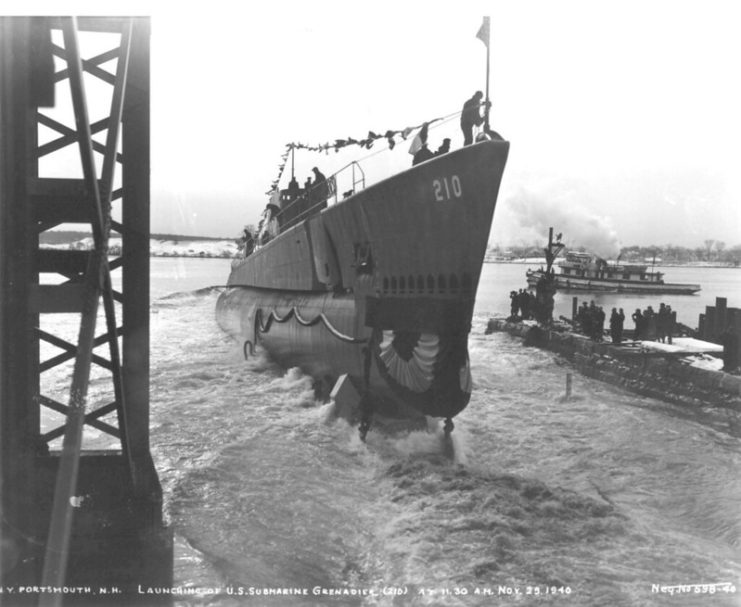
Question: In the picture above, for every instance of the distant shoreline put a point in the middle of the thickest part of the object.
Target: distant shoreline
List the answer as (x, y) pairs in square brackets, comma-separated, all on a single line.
[(666, 264), (163, 247), (194, 247)]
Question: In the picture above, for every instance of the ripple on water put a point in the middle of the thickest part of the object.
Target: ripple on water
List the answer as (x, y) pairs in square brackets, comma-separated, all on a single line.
[(604, 492)]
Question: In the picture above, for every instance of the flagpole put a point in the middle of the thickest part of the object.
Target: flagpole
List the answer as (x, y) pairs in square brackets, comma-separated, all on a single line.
[(486, 110), (486, 26)]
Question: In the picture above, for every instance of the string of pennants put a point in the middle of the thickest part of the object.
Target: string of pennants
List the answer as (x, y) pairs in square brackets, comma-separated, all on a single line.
[(338, 144)]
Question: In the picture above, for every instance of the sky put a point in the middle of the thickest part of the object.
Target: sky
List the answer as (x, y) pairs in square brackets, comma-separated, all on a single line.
[(623, 117)]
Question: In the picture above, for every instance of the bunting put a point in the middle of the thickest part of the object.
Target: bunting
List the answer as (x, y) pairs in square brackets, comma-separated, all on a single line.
[(281, 167), (420, 140), (366, 142)]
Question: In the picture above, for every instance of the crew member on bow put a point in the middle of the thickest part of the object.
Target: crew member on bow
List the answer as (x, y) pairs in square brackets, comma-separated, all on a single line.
[(471, 116)]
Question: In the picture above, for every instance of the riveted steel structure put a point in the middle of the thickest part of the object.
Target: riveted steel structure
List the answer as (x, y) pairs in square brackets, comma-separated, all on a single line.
[(76, 511)]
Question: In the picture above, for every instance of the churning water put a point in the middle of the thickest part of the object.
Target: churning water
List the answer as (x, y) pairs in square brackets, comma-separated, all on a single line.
[(603, 499)]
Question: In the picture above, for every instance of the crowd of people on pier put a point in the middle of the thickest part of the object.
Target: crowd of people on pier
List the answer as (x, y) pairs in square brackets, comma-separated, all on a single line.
[(590, 320), (649, 324), (655, 326), (522, 305), (538, 306)]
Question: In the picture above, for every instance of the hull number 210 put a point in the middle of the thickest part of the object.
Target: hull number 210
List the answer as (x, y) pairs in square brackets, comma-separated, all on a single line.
[(447, 188)]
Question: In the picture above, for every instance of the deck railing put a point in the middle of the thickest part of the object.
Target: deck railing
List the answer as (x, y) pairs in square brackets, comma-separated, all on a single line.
[(319, 197)]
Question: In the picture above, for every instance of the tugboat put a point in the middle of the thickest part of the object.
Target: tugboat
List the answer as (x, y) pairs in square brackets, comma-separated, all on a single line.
[(588, 272), (377, 288)]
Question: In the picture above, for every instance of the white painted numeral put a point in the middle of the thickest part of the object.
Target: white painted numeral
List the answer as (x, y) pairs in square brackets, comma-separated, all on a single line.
[(456, 186), (447, 188)]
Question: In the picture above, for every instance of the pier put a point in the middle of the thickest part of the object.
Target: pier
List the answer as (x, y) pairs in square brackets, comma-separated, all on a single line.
[(650, 368), (722, 325), (81, 525)]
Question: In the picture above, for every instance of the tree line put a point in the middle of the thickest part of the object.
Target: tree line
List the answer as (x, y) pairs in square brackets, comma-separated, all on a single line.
[(712, 251)]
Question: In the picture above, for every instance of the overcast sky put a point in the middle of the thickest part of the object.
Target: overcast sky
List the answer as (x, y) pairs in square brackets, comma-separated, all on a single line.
[(625, 113)]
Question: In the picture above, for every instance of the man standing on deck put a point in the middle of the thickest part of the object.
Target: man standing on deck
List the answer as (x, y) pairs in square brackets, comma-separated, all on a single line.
[(319, 192), (444, 147), (248, 242), (471, 116), (423, 154), (320, 181)]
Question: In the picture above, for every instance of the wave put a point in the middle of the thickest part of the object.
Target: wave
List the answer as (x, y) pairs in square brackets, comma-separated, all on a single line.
[(194, 293), (605, 494), (184, 297)]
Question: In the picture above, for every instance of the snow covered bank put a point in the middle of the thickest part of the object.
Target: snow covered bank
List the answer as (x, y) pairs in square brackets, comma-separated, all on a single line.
[(180, 247)]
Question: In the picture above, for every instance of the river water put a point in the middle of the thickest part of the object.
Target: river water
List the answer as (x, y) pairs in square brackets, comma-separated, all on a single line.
[(604, 499)]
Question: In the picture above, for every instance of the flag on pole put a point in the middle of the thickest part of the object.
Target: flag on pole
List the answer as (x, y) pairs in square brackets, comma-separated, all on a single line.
[(483, 34)]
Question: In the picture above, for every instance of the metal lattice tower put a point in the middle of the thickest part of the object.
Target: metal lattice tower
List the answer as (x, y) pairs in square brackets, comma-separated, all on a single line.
[(63, 503)]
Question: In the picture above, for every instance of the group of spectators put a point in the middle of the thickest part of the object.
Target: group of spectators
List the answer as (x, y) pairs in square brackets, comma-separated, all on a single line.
[(590, 320), (658, 326), (649, 325), (522, 305), (303, 203)]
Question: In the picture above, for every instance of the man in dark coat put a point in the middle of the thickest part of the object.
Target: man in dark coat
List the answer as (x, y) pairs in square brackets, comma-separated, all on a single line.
[(471, 116), (319, 192), (638, 319), (581, 317), (614, 320), (599, 324), (620, 325), (423, 154), (444, 147), (649, 324), (524, 301), (514, 305), (662, 322), (320, 181), (591, 328), (616, 325)]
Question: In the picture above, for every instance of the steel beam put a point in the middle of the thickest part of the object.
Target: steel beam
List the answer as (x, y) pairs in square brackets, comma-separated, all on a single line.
[(124, 480), (18, 348), (60, 527)]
